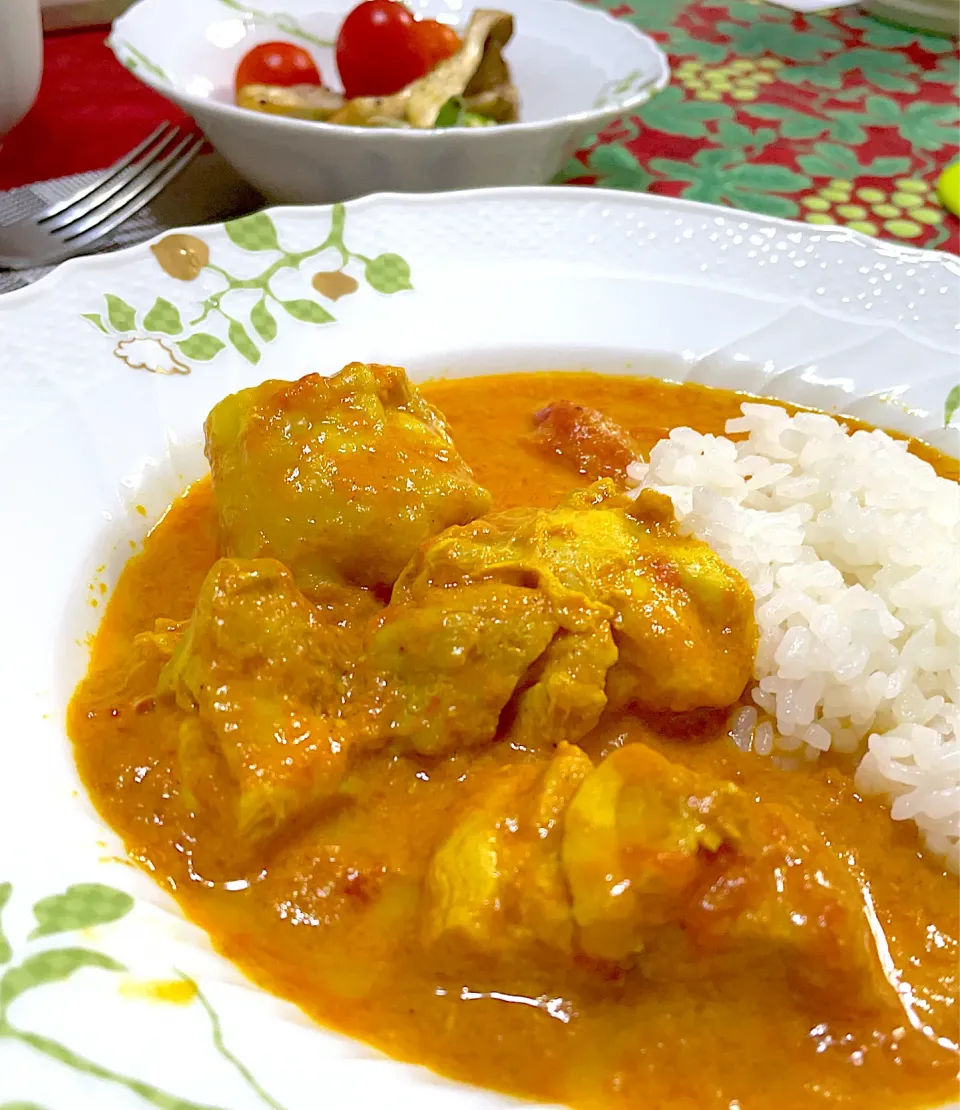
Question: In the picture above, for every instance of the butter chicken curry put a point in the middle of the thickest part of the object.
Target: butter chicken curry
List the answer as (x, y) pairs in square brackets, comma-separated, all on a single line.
[(424, 721)]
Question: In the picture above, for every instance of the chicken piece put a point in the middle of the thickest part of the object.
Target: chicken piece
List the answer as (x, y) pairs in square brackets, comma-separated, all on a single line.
[(451, 669), (495, 884), (593, 444), (643, 864), (444, 671), (260, 675), (681, 619), (339, 478), (681, 873), (636, 843), (565, 692)]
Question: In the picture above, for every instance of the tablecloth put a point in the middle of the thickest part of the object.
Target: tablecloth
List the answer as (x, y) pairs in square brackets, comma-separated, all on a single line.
[(827, 118), (834, 118)]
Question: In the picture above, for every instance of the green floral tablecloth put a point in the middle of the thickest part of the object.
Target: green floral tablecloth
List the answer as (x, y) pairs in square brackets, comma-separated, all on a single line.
[(834, 118)]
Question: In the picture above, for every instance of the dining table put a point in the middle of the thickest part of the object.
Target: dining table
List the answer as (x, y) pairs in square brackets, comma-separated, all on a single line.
[(830, 117)]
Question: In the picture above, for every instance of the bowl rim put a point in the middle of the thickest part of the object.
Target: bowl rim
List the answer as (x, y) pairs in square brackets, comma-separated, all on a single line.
[(597, 116)]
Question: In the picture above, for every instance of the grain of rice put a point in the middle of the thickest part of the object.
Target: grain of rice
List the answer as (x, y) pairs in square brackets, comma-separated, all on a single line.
[(742, 726)]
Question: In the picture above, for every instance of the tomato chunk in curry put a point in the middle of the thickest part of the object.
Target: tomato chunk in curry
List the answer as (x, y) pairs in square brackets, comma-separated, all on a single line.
[(454, 708)]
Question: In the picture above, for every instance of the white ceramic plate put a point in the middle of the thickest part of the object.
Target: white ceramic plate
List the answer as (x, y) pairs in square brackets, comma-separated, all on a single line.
[(576, 69), (570, 278)]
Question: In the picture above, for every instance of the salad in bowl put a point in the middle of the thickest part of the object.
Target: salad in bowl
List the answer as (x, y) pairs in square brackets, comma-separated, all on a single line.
[(395, 70), (322, 100)]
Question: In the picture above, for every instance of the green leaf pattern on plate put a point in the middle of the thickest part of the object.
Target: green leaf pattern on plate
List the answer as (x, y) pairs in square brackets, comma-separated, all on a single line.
[(78, 907), (253, 233), (308, 311), (264, 324), (388, 273), (225, 1052), (237, 334), (256, 234), (52, 966), (201, 347), (96, 320), (5, 950), (122, 317), (163, 317)]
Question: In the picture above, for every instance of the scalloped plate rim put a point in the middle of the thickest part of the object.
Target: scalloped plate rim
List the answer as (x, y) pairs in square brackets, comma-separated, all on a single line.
[(614, 196)]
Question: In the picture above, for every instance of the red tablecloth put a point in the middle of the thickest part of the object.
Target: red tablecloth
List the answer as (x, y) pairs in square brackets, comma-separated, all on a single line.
[(89, 113), (833, 117)]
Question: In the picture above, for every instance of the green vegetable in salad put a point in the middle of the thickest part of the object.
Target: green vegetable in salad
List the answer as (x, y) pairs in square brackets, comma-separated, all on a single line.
[(455, 114)]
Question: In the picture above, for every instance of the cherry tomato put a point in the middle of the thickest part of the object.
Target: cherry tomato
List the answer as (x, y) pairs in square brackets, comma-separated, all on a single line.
[(379, 51), (437, 40), (277, 63)]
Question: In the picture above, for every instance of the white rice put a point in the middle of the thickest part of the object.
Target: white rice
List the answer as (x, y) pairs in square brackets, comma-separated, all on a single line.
[(852, 548)]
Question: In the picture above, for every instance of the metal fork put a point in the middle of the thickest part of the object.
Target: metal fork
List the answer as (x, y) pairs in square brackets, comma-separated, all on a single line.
[(73, 225)]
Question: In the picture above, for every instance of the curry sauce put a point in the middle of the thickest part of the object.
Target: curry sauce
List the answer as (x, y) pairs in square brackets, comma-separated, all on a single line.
[(330, 916)]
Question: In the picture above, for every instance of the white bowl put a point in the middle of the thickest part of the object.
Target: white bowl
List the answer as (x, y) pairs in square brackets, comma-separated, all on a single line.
[(576, 68)]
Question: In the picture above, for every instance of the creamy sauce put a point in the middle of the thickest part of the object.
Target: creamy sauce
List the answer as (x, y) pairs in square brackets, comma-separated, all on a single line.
[(331, 921)]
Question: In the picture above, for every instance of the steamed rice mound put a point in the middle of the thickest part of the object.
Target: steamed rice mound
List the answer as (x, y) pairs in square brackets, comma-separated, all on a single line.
[(852, 548)]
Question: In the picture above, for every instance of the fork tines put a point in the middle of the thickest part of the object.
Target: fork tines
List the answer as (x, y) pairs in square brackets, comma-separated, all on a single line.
[(123, 190)]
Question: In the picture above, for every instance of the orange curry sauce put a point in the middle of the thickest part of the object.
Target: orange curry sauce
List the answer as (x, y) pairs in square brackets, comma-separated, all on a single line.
[(321, 927)]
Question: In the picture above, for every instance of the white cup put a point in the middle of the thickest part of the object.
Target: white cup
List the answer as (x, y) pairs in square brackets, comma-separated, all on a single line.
[(21, 59)]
